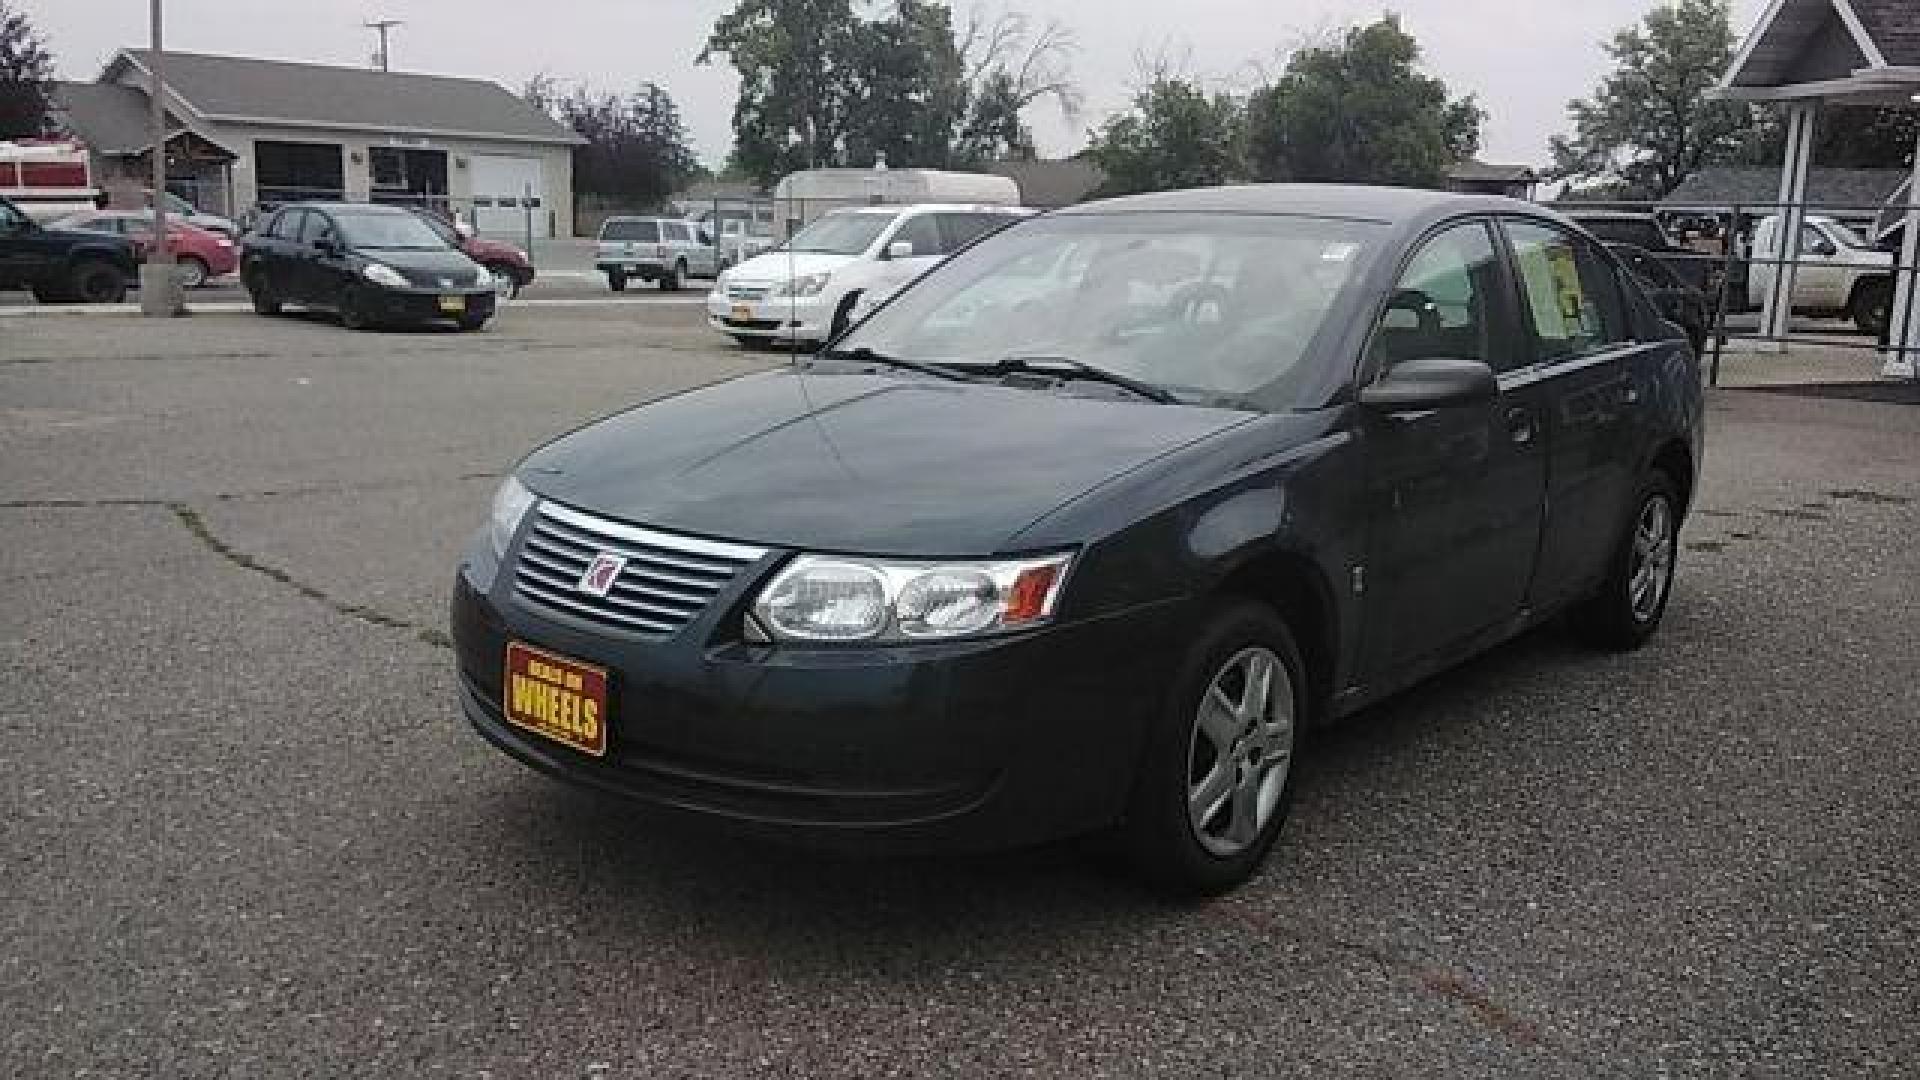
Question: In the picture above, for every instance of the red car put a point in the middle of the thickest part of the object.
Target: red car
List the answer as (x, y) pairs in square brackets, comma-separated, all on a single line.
[(200, 254), (510, 267)]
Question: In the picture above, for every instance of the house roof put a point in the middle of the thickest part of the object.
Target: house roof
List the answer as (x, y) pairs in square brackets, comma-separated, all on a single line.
[(244, 90), (1856, 192), (1049, 184), (109, 118), (1481, 172), (1852, 50)]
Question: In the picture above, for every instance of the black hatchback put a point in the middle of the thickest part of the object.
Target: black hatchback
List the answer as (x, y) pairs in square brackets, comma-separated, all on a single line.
[(373, 265), (1082, 530)]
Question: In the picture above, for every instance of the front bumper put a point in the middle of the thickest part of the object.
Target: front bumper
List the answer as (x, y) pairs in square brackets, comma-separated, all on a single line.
[(799, 318), (420, 305), (959, 746)]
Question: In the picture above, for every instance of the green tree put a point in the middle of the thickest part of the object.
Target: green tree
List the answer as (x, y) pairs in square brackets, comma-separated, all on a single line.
[(1176, 136), (1650, 124), (1360, 112), (907, 97), (1844, 137), (796, 92), (637, 152), (26, 76)]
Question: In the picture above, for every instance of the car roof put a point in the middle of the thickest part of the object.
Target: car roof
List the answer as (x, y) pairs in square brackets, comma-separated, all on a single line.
[(1387, 205), (348, 207), (1607, 215), (940, 208)]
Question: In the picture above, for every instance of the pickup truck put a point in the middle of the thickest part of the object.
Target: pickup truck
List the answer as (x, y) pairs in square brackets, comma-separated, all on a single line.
[(1697, 269), (63, 265), (1837, 274)]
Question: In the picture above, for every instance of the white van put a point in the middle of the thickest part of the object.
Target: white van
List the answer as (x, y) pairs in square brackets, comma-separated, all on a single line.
[(1838, 272), (807, 289)]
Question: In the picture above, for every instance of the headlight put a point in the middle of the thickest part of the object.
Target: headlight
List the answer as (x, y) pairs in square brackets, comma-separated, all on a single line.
[(805, 285), (382, 274), (483, 278), (827, 598), (510, 504)]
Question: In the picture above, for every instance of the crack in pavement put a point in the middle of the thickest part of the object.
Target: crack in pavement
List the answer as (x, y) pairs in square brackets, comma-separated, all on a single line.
[(196, 525)]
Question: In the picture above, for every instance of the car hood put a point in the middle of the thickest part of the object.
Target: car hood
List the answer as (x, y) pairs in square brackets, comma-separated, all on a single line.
[(859, 463), (424, 267), (784, 265)]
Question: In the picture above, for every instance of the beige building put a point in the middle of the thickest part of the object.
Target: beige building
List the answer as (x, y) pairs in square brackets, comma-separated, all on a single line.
[(242, 132)]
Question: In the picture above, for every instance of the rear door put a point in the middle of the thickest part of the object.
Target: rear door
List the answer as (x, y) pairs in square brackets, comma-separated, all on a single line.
[(278, 257), (1455, 496), (1581, 340)]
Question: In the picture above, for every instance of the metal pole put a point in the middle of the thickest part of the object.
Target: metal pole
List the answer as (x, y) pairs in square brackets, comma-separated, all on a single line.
[(526, 202), (160, 293)]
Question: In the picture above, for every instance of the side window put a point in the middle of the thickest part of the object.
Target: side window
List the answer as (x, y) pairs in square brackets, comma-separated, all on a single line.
[(673, 232), (923, 232), (1814, 242), (1572, 298), (286, 224), (963, 229), (1446, 303), (315, 227)]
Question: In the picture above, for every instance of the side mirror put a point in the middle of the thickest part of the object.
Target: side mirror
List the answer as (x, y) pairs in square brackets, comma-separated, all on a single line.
[(1438, 382), (900, 249)]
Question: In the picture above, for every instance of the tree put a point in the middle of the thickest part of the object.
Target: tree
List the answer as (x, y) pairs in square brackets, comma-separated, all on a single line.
[(637, 152), (1650, 124), (1010, 64), (1176, 136), (907, 97), (795, 92), (26, 76), (1844, 137), (1359, 111)]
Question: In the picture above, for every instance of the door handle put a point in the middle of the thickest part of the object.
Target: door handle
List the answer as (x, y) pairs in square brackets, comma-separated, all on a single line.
[(1520, 426)]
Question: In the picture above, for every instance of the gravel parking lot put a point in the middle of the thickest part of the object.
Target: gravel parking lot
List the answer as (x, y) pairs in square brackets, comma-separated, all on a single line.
[(247, 833)]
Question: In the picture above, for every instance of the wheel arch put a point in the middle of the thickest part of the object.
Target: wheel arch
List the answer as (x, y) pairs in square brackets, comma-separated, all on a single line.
[(1296, 588), (1675, 458)]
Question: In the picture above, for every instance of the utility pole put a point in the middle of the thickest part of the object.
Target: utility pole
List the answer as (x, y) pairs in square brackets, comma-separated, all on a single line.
[(381, 27), (160, 291)]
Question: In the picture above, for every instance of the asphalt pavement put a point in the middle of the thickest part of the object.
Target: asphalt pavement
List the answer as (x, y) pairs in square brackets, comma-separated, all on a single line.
[(247, 833)]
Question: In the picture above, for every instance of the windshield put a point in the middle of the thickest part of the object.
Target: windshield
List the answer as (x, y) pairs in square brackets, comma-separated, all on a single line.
[(1844, 234), (631, 230), (387, 231), (1207, 306), (842, 234)]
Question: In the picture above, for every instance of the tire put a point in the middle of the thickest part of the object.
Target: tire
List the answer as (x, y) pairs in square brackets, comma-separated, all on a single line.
[(93, 281), (49, 293), (1871, 307), (353, 314), (194, 271), (1214, 849), (616, 281), (843, 315), (675, 276), (747, 341), (511, 277), (1626, 609), (470, 323), (264, 300)]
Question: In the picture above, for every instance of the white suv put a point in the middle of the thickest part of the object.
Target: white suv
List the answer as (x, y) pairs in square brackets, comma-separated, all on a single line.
[(808, 289)]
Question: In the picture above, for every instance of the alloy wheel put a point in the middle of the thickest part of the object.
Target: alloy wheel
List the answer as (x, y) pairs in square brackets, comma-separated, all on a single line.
[(1240, 752), (1649, 575)]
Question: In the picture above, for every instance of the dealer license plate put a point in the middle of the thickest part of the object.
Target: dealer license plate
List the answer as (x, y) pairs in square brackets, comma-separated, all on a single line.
[(453, 305), (557, 698)]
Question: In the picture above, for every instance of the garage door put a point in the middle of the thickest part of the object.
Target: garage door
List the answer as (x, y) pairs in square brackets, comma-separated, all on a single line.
[(500, 186)]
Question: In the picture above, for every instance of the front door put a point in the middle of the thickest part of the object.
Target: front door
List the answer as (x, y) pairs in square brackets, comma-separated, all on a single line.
[(1455, 496), (894, 271)]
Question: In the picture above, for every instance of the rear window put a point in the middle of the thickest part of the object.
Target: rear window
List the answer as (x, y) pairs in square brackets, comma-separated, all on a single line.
[(631, 230)]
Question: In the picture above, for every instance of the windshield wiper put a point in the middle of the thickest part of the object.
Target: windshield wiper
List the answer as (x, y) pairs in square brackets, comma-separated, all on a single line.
[(865, 355), (1038, 365)]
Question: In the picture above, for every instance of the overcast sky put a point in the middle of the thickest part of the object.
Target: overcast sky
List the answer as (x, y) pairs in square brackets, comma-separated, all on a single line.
[(1524, 58)]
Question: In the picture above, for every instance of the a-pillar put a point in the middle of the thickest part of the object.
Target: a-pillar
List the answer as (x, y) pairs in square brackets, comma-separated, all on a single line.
[(1776, 310), (1903, 336)]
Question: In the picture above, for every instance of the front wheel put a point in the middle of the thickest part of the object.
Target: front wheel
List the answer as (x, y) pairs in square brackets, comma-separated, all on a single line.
[(616, 281), (353, 312), (506, 281), (265, 302), (673, 278), (194, 271), (470, 323), (96, 282), (1216, 777), (1627, 608)]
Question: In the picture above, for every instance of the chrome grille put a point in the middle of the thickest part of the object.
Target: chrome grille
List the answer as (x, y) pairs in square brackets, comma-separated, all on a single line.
[(748, 292), (667, 582)]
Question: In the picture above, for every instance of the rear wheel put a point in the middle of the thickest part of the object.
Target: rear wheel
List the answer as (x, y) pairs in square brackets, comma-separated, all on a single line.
[(673, 278), (1627, 608), (49, 293), (194, 271), (1872, 307), (1216, 777), (617, 281), (265, 301), (96, 282)]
